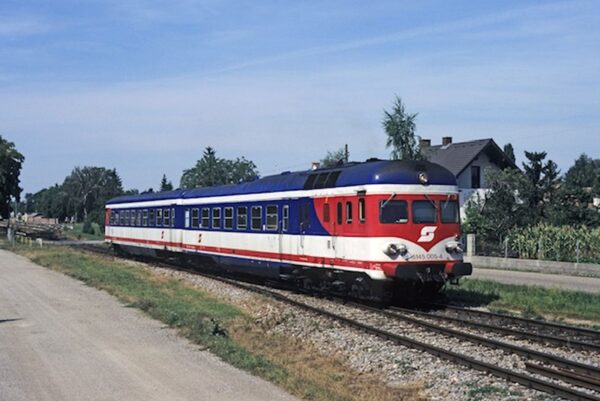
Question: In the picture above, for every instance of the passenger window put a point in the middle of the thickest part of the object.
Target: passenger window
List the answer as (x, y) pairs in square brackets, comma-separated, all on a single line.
[(195, 217), (117, 218), (187, 218), (449, 212), (424, 212), (152, 221), (173, 217), (361, 210), (138, 222), (145, 218), (256, 217), (304, 217), (272, 217), (228, 218), (159, 217), (326, 213), (339, 213), (393, 212), (167, 218), (242, 217), (286, 217), (205, 218), (349, 212), (216, 217)]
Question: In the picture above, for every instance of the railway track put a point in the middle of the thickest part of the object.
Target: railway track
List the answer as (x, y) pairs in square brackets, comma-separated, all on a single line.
[(555, 368)]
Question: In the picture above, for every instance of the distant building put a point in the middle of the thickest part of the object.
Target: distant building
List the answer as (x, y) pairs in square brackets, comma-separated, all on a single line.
[(37, 218), (469, 162)]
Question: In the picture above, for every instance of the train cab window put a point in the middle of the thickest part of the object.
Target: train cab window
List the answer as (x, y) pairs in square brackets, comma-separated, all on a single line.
[(187, 218), (166, 217), (151, 220), (332, 179), (272, 217), (195, 217), (173, 217), (205, 222), (424, 212), (449, 212), (320, 183), (361, 210), (286, 217), (349, 212), (339, 213), (326, 216), (159, 217), (256, 217), (393, 212), (216, 217), (145, 218), (242, 217), (228, 217)]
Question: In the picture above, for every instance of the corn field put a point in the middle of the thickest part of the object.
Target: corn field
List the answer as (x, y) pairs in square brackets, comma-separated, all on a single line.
[(566, 244)]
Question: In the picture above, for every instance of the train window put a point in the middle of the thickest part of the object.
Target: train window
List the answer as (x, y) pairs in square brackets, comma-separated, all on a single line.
[(286, 217), (339, 212), (304, 217), (205, 222), (138, 221), (272, 217), (320, 183), (167, 218), (151, 221), (228, 215), (145, 218), (393, 212), (424, 212), (326, 212), (242, 217), (187, 218), (349, 212), (216, 217), (126, 213), (331, 179), (361, 210), (195, 217), (122, 218), (256, 217), (111, 219), (173, 217), (116, 218), (310, 181), (449, 211), (159, 217)]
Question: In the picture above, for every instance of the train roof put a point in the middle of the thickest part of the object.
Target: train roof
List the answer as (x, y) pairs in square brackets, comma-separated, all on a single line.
[(403, 172)]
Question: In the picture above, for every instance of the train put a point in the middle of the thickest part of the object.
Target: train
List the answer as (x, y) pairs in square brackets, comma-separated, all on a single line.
[(374, 230)]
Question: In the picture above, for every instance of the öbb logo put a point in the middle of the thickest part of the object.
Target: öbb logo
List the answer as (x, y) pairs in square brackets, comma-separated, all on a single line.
[(427, 234)]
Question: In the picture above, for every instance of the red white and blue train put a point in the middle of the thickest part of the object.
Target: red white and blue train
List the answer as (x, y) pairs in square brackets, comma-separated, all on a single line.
[(369, 230)]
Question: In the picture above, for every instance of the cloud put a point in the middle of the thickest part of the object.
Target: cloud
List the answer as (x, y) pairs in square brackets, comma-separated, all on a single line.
[(22, 26)]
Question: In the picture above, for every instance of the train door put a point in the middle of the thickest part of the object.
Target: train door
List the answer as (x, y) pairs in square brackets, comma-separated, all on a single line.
[(283, 228), (338, 222), (304, 221)]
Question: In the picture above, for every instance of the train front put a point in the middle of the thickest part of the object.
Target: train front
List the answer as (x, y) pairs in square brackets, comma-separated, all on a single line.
[(418, 226)]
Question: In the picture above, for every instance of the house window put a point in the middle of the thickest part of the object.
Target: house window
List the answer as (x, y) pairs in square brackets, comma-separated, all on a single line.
[(205, 223), (242, 217), (256, 217), (361, 210), (286, 217), (216, 217), (272, 215), (195, 217), (228, 218), (475, 177)]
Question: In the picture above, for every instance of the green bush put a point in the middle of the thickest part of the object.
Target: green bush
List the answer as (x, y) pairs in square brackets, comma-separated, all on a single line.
[(564, 243)]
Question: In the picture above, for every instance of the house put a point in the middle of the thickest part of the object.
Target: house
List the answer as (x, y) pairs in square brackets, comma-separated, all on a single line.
[(469, 162)]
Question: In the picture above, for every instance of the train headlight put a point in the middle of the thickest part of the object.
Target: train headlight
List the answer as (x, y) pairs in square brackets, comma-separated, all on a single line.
[(395, 249), (453, 247)]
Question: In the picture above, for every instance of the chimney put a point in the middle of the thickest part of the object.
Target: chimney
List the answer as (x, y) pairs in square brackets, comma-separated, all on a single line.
[(447, 140), (425, 143)]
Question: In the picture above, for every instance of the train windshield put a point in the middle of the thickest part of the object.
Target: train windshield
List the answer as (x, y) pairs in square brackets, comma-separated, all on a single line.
[(393, 212), (424, 212), (449, 212)]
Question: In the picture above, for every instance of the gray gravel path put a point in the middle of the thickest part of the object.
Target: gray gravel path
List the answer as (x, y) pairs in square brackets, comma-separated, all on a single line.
[(572, 283), (61, 340)]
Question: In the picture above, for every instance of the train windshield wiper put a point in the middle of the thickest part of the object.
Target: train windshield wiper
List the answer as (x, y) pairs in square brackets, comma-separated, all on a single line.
[(388, 200)]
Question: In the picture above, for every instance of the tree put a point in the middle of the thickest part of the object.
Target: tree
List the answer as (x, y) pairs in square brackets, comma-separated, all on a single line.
[(510, 152), (400, 129), (165, 185), (544, 181), (11, 162), (211, 170), (334, 158)]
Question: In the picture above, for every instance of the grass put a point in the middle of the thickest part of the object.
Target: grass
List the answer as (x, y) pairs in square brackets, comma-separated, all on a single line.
[(530, 301), (222, 328), (78, 234)]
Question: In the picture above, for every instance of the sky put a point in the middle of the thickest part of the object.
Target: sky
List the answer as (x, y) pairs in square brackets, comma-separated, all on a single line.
[(145, 86)]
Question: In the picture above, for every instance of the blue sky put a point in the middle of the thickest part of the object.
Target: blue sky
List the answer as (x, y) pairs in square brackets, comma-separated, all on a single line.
[(145, 86)]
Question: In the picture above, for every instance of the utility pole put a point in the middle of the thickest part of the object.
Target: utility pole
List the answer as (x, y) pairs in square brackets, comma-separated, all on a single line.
[(346, 154)]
